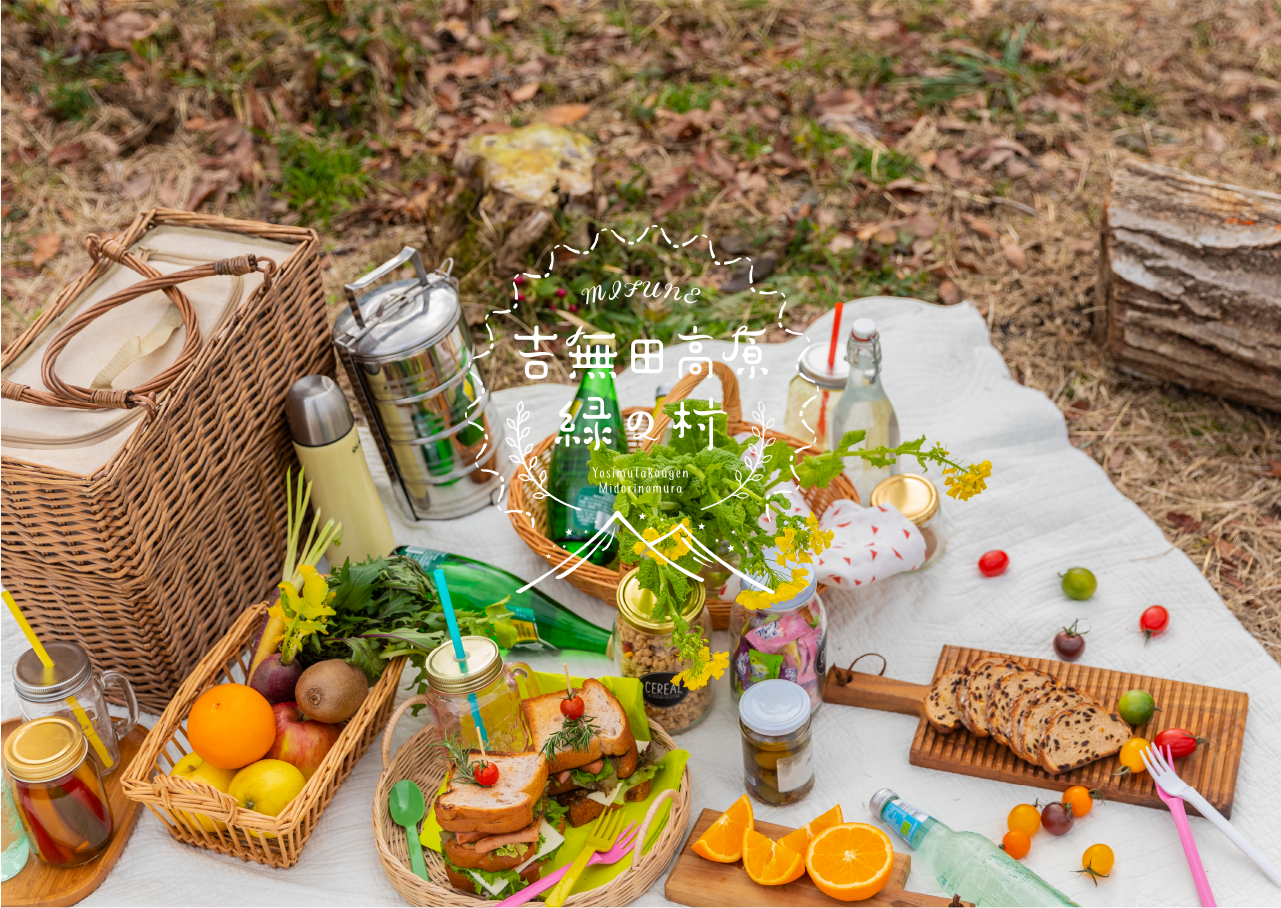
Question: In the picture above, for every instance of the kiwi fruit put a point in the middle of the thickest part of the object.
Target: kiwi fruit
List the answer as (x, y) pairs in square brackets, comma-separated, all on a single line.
[(331, 691)]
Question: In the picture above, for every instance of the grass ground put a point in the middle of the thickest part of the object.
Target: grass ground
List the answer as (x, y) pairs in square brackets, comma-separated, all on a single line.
[(925, 148)]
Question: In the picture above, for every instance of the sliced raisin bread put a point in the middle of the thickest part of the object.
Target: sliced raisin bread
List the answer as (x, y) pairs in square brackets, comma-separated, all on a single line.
[(1005, 692), (941, 709), (983, 676), (1035, 713), (1081, 735)]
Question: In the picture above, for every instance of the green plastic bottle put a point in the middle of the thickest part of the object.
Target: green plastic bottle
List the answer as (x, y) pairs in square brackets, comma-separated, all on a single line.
[(540, 620), (591, 420)]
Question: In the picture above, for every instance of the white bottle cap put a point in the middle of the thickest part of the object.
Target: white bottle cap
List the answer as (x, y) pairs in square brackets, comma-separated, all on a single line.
[(863, 329)]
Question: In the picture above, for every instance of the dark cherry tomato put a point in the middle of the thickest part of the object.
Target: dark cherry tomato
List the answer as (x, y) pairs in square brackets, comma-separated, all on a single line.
[(1180, 741), (994, 563), (1057, 818), (1069, 643), (572, 707), (1154, 620), (485, 774)]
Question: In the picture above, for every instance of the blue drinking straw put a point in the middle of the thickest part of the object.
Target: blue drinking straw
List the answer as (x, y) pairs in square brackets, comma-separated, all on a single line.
[(460, 654)]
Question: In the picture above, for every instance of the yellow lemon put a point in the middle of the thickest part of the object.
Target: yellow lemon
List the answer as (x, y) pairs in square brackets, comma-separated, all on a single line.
[(267, 786), (194, 767)]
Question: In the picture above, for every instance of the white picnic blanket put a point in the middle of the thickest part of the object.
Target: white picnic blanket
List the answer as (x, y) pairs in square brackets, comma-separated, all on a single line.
[(1049, 506)]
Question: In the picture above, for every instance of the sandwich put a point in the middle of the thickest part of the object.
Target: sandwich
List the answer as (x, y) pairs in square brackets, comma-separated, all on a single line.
[(593, 760), (496, 837)]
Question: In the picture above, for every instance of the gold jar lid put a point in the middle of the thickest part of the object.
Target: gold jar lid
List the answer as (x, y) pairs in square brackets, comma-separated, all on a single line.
[(449, 676), (44, 749), (914, 495), (636, 605)]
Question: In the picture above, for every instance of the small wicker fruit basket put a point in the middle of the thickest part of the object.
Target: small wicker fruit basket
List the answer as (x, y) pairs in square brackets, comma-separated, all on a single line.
[(422, 760), (528, 511), (246, 834)]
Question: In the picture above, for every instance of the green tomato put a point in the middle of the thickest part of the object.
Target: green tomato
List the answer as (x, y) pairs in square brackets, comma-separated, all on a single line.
[(1136, 707), (1079, 583)]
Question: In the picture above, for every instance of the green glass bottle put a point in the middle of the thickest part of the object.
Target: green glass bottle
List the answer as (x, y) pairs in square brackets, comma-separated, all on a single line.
[(591, 420), (540, 620)]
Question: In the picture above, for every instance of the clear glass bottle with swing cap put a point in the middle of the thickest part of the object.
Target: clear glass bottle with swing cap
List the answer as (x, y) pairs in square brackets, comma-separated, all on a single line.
[(813, 394), (863, 405)]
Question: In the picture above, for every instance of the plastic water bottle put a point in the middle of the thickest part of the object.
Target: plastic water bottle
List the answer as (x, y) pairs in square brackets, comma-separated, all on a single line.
[(965, 863)]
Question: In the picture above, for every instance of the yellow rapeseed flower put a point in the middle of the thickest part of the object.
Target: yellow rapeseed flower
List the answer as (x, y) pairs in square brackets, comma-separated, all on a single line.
[(710, 666), (965, 484)]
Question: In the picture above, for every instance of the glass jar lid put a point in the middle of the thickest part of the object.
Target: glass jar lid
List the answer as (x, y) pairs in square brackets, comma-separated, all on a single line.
[(636, 605), (71, 671), (775, 707), (813, 367), (914, 495), (802, 598), (447, 675), (44, 749)]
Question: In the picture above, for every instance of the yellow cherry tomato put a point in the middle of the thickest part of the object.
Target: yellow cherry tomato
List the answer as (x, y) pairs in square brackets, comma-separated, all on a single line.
[(1131, 761), (1016, 844), (1025, 819), (1080, 799), (1097, 862)]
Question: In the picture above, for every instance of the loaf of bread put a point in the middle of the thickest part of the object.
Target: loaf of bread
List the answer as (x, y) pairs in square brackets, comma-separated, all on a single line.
[(1005, 692), (984, 675), (1081, 735)]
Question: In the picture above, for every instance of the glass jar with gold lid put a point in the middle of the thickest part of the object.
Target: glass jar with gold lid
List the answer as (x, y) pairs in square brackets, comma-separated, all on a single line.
[(918, 500), (61, 799), (479, 687), (642, 649)]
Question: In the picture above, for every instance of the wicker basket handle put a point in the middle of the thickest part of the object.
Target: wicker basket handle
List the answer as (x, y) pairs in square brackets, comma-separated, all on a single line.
[(731, 402), (642, 835), (420, 700)]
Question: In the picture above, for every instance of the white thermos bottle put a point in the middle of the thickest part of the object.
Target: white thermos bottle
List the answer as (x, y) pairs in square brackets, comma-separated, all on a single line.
[(328, 447)]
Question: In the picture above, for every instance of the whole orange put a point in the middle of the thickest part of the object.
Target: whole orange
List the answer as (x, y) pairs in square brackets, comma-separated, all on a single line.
[(231, 726)]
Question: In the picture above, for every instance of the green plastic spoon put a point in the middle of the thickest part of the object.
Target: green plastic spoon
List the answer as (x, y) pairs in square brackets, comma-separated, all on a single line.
[(407, 807)]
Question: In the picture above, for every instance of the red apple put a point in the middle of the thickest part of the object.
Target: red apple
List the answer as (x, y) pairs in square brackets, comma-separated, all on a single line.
[(299, 740)]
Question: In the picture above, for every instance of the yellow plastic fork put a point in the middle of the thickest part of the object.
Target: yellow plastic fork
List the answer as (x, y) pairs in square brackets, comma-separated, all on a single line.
[(601, 837)]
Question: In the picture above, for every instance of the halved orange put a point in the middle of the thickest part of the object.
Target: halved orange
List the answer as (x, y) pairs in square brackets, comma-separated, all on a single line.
[(851, 861), (799, 839), (770, 863), (723, 841)]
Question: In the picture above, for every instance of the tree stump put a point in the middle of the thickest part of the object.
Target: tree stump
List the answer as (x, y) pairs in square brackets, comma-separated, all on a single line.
[(1190, 283)]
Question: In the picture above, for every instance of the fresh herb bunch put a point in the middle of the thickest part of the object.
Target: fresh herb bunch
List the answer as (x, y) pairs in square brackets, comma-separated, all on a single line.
[(700, 495), (388, 607), (574, 734), (464, 768)]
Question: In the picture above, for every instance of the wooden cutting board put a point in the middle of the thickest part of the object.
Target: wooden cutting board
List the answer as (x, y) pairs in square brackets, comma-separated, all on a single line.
[(38, 883), (696, 881), (1208, 712)]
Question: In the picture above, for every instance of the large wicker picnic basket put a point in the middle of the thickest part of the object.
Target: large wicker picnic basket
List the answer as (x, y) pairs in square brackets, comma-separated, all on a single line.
[(246, 834), (528, 512), (147, 557), (423, 760)]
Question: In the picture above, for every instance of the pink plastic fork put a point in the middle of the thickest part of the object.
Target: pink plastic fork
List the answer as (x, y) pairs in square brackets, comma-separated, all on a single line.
[(1189, 843), (624, 844)]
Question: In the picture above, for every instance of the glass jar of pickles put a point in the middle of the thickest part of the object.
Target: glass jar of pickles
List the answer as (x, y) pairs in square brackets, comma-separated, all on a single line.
[(917, 499), (480, 687), (60, 796), (642, 647), (774, 718), (787, 640)]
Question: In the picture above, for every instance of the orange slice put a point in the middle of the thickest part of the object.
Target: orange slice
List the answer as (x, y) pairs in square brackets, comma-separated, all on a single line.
[(770, 863), (851, 861), (723, 841), (799, 839)]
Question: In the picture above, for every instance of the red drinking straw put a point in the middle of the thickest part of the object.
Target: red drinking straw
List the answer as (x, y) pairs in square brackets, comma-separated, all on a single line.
[(836, 334)]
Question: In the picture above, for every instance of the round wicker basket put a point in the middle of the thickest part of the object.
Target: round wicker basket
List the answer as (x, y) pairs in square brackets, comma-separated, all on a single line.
[(424, 761), (528, 512)]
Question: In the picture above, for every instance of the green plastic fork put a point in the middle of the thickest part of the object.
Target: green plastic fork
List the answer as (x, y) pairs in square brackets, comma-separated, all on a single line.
[(600, 837)]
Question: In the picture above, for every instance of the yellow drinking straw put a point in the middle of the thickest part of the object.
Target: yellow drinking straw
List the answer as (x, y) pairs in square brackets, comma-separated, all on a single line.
[(43, 656)]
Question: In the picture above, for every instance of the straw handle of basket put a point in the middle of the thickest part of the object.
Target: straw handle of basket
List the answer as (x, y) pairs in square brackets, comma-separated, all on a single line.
[(420, 700), (642, 834), (731, 403)]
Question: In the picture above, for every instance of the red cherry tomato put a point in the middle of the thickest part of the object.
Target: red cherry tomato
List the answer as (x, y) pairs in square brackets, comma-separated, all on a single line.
[(994, 563), (1154, 620), (485, 774), (1180, 741), (572, 707)]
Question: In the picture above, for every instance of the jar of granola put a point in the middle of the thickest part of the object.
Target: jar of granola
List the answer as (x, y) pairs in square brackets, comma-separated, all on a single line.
[(642, 648)]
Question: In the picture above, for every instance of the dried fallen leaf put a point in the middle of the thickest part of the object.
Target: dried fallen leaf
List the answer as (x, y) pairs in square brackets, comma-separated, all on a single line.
[(136, 185), (1185, 522), (674, 198), (45, 247), (1014, 254), (67, 154), (1117, 459), (907, 184), (840, 243), (126, 28), (563, 114), (922, 225), (525, 92), (948, 164), (980, 226), (1214, 140), (448, 96), (509, 14), (1274, 469), (949, 293)]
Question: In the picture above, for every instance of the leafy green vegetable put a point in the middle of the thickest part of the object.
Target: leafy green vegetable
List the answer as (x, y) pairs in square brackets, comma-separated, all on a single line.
[(493, 878), (510, 850), (583, 778), (554, 811)]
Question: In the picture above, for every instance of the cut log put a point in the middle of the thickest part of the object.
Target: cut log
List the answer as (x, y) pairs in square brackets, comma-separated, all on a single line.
[(1190, 283)]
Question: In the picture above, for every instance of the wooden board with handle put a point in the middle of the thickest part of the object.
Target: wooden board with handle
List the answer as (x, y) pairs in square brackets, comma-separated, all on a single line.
[(1208, 712), (696, 881), (38, 884)]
